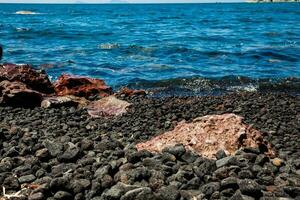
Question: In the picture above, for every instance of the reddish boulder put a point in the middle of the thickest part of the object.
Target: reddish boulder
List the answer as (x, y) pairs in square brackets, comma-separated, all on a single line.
[(209, 134), (81, 86), (33, 79), (107, 106), (17, 94), (129, 92)]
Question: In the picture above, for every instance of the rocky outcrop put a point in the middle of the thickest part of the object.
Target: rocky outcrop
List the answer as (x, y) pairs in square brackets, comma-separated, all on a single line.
[(209, 134), (17, 94), (81, 86), (108, 106), (33, 79)]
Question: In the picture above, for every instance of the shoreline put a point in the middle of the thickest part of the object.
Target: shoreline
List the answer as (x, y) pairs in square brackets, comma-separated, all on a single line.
[(104, 163)]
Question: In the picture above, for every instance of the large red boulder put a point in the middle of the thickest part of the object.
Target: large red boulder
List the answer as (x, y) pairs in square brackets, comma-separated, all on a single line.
[(17, 94), (209, 134), (81, 86), (33, 79)]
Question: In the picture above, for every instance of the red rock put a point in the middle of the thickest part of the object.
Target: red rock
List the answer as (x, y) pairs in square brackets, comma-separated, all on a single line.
[(209, 134), (81, 86), (17, 94), (107, 106), (33, 79), (129, 92)]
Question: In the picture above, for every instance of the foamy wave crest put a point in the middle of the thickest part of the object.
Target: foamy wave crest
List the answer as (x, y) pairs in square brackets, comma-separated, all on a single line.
[(26, 12), (109, 46)]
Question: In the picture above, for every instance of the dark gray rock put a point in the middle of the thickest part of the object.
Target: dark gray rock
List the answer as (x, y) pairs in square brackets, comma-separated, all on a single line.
[(133, 194), (239, 196), (70, 153), (168, 193), (54, 148), (220, 154), (250, 187), (177, 150), (36, 196), (230, 182), (63, 195), (209, 188), (26, 179)]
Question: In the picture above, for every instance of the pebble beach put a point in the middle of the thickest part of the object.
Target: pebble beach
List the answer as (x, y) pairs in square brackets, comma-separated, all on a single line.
[(63, 153)]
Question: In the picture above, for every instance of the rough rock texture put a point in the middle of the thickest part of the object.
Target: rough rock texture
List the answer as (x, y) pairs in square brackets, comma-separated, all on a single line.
[(209, 134), (17, 94), (130, 92), (35, 80), (107, 106), (81, 86), (69, 100)]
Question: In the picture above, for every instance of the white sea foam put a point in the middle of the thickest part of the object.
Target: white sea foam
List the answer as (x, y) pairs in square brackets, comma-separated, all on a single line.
[(26, 12), (109, 46)]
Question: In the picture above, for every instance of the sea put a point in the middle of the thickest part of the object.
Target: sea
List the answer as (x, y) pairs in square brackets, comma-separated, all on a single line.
[(175, 49)]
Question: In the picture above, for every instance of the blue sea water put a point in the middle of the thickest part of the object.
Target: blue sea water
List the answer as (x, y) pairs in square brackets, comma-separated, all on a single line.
[(189, 47)]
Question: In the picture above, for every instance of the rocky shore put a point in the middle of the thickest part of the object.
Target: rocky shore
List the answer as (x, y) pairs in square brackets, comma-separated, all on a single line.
[(64, 152)]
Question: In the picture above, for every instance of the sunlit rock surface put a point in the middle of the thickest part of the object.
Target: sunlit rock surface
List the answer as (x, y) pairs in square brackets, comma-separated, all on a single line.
[(209, 134)]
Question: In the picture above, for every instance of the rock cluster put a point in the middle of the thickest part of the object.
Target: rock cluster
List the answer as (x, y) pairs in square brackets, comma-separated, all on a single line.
[(62, 153), (23, 86)]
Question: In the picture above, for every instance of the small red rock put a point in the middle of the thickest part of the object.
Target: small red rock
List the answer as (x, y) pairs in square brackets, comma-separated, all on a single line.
[(129, 92), (33, 79), (81, 86)]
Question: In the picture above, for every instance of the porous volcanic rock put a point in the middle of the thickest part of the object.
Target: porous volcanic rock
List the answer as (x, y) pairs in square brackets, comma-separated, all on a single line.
[(81, 86), (59, 101), (17, 94), (125, 91), (34, 79), (209, 134), (107, 106)]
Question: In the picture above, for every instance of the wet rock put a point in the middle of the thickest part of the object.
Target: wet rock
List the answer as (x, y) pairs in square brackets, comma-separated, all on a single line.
[(207, 135), (108, 106), (68, 101), (81, 86), (33, 79), (17, 94)]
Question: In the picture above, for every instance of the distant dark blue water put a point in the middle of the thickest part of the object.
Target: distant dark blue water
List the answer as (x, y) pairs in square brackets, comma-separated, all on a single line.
[(194, 47)]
